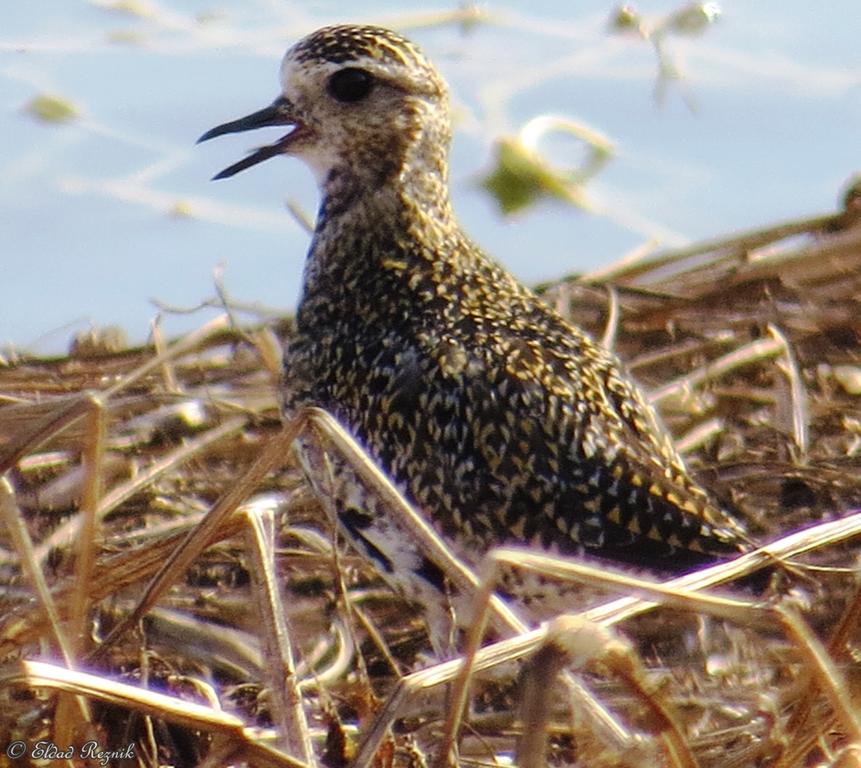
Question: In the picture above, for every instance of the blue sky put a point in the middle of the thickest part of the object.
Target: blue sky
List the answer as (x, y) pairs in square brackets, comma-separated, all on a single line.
[(103, 214)]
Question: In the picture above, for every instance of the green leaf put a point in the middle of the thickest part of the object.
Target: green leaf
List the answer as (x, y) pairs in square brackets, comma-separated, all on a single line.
[(521, 176), (52, 109)]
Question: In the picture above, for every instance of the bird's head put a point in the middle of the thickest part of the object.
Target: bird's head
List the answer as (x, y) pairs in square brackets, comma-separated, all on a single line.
[(359, 101)]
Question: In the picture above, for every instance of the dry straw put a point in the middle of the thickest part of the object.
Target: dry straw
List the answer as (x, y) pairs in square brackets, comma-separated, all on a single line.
[(141, 490)]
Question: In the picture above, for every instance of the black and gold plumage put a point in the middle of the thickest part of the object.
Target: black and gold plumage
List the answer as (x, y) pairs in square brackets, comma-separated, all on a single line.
[(500, 420)]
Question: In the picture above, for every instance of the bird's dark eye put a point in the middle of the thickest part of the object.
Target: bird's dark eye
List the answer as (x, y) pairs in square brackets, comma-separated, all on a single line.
[(351, 84)]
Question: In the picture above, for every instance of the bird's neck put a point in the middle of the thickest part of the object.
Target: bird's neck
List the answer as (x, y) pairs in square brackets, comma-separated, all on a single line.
[(372, 241), (403, 206)]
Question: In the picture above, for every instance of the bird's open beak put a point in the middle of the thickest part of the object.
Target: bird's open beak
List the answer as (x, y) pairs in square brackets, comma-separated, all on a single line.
[(280, 112)]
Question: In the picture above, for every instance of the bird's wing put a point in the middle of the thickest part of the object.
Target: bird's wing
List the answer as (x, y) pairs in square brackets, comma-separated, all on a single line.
[(558, 410)]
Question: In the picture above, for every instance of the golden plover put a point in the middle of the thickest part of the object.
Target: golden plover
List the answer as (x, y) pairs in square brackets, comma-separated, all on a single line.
[(499, 420)]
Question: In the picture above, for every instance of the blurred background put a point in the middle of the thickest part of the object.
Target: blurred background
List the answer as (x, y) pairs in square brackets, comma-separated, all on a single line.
[(642, 129)]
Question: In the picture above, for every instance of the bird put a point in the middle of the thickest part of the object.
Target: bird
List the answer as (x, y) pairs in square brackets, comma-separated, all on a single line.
[(499, 420)]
